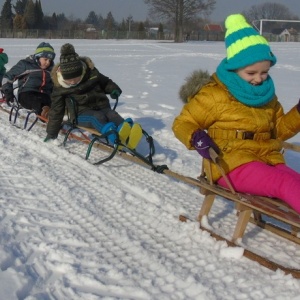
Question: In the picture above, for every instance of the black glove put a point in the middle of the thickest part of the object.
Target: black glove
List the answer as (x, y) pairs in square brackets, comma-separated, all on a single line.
[(8, 93), (298, 106), (9, 98)]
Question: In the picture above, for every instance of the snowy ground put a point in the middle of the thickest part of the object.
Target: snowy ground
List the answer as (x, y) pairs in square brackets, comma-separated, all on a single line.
[(72, 230)]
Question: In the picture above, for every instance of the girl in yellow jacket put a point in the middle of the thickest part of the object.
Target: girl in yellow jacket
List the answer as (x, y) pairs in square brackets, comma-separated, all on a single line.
[(238, 114)]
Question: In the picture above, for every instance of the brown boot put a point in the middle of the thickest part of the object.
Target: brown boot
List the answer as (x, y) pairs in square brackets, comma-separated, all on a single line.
[(45, 112)]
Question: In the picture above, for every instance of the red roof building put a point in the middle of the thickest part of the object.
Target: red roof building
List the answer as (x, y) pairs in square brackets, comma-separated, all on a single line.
[(213, 28)]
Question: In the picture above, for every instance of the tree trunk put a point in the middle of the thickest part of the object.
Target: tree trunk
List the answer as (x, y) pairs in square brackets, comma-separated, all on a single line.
[(179, 22), (176, 33)]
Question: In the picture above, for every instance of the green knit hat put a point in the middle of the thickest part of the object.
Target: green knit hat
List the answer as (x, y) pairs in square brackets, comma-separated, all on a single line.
[(245, 46), (44, 50)]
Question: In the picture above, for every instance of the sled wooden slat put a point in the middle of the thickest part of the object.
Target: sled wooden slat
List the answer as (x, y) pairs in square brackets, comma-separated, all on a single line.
[(264, 212), (243, 219), (90, 130)]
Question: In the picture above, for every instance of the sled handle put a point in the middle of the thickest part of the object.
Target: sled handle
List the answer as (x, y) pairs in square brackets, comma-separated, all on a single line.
[(216, 159)]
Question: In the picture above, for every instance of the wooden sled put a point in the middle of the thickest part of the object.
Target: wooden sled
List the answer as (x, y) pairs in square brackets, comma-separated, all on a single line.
[(268, 213)]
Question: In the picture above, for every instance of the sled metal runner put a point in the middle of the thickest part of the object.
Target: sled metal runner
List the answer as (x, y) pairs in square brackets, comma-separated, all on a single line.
[(14, 113), (102, 139), (97, 141)]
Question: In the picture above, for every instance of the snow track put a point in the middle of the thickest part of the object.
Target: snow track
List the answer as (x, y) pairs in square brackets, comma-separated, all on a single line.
[(119, 220)]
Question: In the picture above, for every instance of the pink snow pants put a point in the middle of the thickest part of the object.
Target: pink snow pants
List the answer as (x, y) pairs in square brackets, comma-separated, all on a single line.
[(258, 178)]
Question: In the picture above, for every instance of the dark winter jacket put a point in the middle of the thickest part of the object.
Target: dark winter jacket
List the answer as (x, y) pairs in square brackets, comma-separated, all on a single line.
[(3, 62), (90, 93), (31, 78)]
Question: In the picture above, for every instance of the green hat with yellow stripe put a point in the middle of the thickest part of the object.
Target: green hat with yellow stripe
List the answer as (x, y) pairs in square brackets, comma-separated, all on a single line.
[(245, 46), (44, 50)]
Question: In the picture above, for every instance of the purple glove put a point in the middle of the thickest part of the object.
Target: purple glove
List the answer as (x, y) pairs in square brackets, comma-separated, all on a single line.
[(298, 106), (202, 142)]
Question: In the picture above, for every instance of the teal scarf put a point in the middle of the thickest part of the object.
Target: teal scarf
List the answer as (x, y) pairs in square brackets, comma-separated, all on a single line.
[(244, 92)]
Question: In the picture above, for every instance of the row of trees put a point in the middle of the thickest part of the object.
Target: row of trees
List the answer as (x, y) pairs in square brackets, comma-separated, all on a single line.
[(28, 14), (180, 16), (175, 14)]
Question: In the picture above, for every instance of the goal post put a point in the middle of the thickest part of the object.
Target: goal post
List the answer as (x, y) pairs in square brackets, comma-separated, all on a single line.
[(260, 29)]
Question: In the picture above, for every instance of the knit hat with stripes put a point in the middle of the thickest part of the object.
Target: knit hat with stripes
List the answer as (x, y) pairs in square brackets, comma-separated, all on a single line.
[(245, 46), (44, 50), (70, 62)]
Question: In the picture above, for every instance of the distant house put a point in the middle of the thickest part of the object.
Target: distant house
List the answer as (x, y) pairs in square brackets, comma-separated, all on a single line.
[(90, 31), (285, 35), (214, 32), (282, 35), (213, 28), (293, 31), (153, 32), (294, 35)]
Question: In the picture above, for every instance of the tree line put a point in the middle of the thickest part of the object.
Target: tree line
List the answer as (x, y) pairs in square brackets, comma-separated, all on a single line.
[(28, 14), (182, 17)]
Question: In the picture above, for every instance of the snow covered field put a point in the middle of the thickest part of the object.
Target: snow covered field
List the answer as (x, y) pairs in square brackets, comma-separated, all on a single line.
[(72, 230)]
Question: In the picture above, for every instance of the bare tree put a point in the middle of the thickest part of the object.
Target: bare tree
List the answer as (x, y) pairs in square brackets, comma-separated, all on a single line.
[(271, 11), (179, 11), (268, 10)]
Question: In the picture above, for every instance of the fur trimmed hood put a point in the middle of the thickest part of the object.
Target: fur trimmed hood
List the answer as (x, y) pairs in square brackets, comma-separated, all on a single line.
[(193, 83), (86, 60)]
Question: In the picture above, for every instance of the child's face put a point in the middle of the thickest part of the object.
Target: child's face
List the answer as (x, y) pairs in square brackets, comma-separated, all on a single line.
[(44, 62), (255, 74), (73, 81)]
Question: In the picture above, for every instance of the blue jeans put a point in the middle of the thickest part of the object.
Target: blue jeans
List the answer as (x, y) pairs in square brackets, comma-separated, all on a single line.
[(98, 118)]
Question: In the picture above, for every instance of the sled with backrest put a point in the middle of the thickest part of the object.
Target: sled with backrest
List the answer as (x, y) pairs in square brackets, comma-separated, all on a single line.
[(267, 213), (94, 138)]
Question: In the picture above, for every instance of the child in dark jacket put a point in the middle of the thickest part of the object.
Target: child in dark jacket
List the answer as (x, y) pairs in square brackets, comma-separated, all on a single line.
[(76, 78), (3, 62), (238, 115), (34, 80)]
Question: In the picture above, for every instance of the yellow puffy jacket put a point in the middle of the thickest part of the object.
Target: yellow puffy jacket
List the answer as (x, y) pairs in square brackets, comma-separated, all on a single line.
[(243, 133)]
